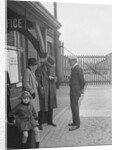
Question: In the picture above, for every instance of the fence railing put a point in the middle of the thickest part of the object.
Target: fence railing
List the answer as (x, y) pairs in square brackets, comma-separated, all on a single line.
[(97, 69)]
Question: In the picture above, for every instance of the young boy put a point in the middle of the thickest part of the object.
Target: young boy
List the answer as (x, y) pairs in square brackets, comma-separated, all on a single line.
[(25, 118)]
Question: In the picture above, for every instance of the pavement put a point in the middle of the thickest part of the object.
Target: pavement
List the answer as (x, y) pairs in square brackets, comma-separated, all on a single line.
[(96, 119)]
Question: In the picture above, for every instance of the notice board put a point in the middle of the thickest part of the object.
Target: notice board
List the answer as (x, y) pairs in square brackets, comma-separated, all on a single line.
[(12, 64)]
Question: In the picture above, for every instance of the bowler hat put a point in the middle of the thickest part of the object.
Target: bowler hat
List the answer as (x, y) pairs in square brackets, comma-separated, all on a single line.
[(50, 61), (47, 59), (32, 62)]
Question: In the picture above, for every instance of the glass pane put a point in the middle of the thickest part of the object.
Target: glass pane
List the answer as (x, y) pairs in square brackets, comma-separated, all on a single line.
[(11, 38), (49, 46)]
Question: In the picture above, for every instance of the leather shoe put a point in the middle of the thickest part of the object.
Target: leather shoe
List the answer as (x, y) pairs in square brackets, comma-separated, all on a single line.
[(52, 124), (74, 127), (70, 124)]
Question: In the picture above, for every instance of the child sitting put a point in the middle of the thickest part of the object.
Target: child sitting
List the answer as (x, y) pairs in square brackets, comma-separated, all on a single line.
[(25, 118)]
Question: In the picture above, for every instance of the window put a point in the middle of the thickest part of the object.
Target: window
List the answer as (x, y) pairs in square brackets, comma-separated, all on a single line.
[(11, 38), (16, 52), (49, 48), (21, 54)]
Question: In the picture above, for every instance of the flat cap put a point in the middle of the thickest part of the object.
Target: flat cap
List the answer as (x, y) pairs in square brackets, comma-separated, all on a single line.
[(73, 57)]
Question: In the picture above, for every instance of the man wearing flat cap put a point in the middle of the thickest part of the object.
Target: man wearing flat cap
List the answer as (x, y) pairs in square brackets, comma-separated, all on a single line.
[(30, 84), (76, 84)]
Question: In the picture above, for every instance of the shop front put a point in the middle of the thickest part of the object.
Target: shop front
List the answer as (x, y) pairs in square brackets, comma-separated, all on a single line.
[(31, 30)]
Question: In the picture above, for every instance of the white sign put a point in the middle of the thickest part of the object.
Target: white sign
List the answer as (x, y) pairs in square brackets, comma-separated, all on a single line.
[(12, 63)]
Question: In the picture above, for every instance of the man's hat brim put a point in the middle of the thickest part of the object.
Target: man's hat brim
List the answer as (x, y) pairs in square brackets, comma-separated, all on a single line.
[(73, 58), (49, 60)]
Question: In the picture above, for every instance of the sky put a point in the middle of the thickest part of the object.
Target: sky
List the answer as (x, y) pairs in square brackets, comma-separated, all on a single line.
[(86, 28)]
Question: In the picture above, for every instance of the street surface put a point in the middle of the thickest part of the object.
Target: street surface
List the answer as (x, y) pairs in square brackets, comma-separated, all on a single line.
[(96, 100), (95, 113)]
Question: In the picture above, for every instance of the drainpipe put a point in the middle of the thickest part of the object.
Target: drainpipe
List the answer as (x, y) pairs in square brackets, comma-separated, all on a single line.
[(55, 10), (56, 47)]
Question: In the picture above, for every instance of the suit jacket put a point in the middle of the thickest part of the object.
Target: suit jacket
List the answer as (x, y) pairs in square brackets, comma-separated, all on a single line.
[(30, 84), (76, 81)]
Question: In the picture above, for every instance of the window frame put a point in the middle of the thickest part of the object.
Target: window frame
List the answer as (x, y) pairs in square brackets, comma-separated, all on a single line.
[(20, 49)]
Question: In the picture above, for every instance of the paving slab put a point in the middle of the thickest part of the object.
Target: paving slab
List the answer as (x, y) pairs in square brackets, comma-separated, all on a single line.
[(96, 119)]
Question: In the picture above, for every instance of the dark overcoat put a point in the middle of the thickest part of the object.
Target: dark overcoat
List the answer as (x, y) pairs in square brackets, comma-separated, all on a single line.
[(43, 87), (52, 89), (25, 116)]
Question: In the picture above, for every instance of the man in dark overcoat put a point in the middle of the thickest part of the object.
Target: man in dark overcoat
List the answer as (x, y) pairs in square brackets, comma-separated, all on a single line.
[(52, 99), (46, 89), (76, 84), (43, 89)]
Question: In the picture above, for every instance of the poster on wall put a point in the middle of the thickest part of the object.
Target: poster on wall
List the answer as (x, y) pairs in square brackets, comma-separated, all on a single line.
[(13, 66)]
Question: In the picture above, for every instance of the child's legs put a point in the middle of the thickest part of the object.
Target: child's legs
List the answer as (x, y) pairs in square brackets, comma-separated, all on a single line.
[(24, 137), (37, 134)]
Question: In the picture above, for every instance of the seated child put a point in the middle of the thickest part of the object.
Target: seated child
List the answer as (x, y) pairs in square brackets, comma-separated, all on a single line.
[(25, 118)]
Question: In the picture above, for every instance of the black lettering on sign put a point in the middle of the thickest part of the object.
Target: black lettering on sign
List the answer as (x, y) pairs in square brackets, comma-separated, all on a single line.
[(15, 23)]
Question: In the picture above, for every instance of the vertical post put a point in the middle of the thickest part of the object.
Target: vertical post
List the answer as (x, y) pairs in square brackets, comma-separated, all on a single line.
[(56, 45), (62, 53), (101, 68), (87, 69), (92, 70), (55, 10), (26, 42), (56, 57), (95, 68)]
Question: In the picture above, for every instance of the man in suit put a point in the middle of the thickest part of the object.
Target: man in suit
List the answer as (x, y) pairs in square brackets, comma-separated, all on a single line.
[(76, 84)]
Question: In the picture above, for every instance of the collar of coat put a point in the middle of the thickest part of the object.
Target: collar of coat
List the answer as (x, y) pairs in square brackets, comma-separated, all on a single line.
[(74, 65), (29, 68)]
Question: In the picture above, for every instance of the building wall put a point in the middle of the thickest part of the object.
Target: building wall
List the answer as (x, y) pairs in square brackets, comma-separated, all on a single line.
[(31, 51), (24, 46)]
